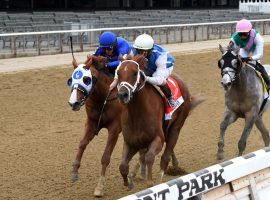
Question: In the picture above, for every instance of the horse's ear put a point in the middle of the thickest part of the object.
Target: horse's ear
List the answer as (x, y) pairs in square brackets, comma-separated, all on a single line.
[(129, 57), (88, 62), (222, 50), (101, 59), (74, 63), (121, 58)]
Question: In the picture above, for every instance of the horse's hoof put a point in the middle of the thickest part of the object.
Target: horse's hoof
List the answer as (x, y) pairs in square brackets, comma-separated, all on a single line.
[(142, 176), (161, 175), (175, 171), (130, 183), (150, 183), (74, 177), (99, 192), (220, 155), (132, 174)]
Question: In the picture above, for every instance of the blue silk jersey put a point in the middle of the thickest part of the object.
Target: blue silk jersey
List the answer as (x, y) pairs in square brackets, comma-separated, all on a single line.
[(153, 60), (122, 47)]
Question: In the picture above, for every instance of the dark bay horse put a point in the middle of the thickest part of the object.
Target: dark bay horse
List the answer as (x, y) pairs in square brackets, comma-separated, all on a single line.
[(143, 117), (90, 83), (243, 98)]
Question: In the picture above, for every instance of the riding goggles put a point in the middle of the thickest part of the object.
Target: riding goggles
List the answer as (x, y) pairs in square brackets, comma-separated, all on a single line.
[(243, 34)]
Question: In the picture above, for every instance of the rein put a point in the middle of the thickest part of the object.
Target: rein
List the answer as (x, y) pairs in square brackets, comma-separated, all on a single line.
[(105, 102), (101, 112)]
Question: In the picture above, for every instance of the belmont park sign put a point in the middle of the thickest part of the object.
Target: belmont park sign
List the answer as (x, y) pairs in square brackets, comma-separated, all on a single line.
[(206, 179)]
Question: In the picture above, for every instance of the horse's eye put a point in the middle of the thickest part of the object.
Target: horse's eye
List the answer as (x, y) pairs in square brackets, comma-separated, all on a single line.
[(86, 80), (69, 81), (135, 74)]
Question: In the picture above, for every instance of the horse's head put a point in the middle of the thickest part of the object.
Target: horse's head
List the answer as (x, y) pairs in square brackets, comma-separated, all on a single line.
[(230, 65), (129, 78), (83, 80)]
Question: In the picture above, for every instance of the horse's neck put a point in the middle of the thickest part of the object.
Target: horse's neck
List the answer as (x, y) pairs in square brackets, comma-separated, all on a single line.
[(142, 100), (246, 82), (100, 90)]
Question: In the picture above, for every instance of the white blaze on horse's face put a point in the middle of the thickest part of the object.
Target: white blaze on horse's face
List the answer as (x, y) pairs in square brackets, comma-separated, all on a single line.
[(81, 79), (126, 89)]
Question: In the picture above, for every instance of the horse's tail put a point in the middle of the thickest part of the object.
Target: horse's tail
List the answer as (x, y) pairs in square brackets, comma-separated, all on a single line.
[(195, 101)]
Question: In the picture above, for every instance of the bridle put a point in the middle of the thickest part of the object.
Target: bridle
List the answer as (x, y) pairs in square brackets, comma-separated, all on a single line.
[(137, 86), (232, 69)]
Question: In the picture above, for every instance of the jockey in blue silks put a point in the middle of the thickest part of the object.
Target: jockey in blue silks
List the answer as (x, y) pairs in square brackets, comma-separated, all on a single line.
[(112, 48), (159, 65)]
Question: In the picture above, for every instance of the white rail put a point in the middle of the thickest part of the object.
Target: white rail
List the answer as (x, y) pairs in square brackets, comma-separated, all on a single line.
[(128, 28), (55, 42)]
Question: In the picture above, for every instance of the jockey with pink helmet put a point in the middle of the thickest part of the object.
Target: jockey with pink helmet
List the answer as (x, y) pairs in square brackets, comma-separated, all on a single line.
[(250, 42)]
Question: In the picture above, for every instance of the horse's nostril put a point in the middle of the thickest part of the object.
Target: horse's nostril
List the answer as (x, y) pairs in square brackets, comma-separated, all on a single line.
[(125, 95)]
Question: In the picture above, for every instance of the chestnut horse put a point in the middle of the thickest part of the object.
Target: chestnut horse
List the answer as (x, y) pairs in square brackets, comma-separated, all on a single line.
[(143, 117), (94, 93), (90, 85)]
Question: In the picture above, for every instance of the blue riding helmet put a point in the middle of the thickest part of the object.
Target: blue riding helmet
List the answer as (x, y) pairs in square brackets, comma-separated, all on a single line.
[(107, 40)]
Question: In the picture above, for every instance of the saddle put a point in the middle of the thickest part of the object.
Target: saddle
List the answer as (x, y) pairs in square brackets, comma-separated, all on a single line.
[(177, 96), (265, 91)]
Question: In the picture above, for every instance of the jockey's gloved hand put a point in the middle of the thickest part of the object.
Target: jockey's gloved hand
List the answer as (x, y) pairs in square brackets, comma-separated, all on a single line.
[(246, 59)]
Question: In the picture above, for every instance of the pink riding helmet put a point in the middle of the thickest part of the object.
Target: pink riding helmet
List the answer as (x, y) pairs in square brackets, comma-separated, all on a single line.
[(243, 26)]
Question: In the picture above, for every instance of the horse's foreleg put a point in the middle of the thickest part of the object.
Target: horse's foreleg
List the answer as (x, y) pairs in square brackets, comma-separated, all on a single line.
[(250, 118), (88, 136), (127, 155), (105, 160), (153, 150), (140, 164), (265, 133), (229, 118), (168, 152)]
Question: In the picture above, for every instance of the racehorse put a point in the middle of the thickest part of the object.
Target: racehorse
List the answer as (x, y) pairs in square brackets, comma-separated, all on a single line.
[(244, 97), (143, 117), (90, 85)]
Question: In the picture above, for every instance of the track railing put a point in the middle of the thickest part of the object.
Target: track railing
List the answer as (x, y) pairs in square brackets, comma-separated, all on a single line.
[(245, 177), (52, 42)]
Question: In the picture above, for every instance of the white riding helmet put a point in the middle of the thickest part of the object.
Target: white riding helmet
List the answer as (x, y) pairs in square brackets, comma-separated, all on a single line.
[(144, 42)]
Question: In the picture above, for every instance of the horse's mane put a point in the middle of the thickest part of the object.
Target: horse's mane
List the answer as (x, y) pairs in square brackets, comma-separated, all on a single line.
[(98, 62), (141, 60)]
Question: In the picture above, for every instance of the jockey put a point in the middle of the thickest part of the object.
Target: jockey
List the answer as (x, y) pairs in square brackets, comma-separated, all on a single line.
[(249, 41), (112, 48), (159, 66)]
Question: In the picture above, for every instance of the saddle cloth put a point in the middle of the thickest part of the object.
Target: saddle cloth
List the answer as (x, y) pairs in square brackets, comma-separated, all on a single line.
[(177, 96), (266, 95)]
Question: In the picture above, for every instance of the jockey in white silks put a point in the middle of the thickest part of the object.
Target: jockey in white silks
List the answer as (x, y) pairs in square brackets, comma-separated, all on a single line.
[(159, 64), (250, 42)]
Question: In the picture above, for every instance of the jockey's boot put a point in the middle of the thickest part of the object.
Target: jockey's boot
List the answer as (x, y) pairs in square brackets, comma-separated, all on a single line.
[(264, 74), (168, 94)]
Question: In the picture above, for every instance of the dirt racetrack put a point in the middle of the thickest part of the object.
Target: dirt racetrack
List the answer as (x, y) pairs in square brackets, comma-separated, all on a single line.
[(39, 133)]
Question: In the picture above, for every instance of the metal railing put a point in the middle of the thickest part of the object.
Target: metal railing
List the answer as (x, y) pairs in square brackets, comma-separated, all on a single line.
[(53, 42)]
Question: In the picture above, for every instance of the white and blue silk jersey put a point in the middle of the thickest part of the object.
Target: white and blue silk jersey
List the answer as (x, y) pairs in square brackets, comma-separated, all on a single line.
[(122, 47), (159, 58)]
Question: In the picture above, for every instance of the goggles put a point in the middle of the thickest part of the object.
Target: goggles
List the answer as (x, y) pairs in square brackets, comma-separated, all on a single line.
[(243, 34), (141, 51)]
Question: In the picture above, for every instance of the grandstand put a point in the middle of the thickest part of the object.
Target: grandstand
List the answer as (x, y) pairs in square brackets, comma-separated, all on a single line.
[(46, 21), (39, 21)]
